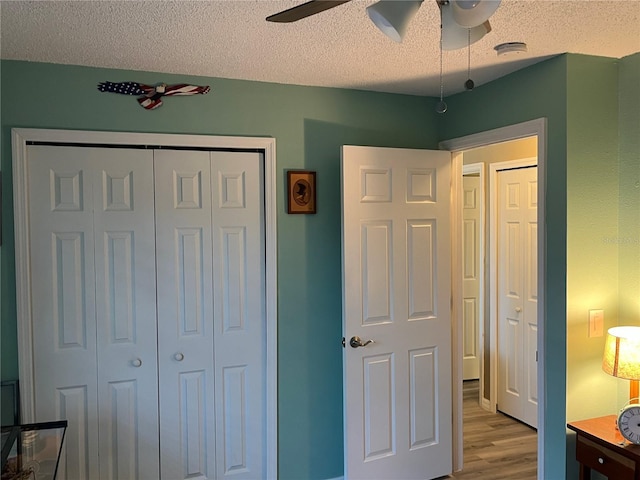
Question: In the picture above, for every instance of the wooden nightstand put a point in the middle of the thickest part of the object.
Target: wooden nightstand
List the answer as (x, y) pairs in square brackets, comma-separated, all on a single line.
[(598, 447)]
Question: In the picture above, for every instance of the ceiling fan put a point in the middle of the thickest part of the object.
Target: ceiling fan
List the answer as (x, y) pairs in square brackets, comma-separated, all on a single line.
[(304, 10), (463, 21)]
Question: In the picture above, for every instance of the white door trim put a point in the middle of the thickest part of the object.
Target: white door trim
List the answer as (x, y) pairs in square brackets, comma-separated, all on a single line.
[(494, 168), (21, 136), (537, 127), (457, 299), (478, 168)]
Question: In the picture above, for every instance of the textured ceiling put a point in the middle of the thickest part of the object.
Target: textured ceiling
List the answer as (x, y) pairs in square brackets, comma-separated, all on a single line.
[(337, 48)]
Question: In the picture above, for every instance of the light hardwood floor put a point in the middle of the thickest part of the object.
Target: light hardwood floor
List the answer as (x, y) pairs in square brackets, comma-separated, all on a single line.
[(496, 447)]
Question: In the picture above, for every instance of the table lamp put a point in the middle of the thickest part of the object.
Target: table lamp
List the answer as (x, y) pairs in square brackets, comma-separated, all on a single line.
[(622, 357)]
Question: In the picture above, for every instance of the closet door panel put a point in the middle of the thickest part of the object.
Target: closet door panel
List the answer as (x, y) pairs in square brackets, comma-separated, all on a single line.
[(239, 273), (126, 313), (185, 314), (63, 301)]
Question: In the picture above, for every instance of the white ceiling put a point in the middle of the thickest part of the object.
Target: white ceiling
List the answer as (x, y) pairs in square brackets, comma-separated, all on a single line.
[(336, 48)]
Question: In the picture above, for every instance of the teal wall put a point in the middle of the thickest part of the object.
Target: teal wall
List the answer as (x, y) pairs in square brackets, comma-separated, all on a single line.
[(309, 125), (629, 215), (592, 231), (534, 92), (592, 195)]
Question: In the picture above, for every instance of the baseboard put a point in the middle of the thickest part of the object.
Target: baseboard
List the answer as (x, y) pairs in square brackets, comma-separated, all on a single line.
[(336, 478), (486, 405)]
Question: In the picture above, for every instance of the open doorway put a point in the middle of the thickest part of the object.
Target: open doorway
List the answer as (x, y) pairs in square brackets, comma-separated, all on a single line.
[(483, 168), (499, 309), (522, 141)]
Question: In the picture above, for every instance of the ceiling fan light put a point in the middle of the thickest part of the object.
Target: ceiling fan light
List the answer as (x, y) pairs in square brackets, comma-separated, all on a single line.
[(471, 13), (454, 36), (468, 4), (392, 17)]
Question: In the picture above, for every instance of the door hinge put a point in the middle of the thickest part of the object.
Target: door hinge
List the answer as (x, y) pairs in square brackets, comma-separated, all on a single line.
[(343, 345), (536, 355)]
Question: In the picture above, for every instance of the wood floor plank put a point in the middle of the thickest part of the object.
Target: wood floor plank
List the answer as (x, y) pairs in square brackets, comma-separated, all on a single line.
[(496, 446)]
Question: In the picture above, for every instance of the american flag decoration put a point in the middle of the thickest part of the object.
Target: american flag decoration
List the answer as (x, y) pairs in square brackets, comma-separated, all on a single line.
[(152, 95)]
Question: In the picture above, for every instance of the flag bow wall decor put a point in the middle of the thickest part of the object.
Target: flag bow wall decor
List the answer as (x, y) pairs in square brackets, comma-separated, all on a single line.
[(152, 95)]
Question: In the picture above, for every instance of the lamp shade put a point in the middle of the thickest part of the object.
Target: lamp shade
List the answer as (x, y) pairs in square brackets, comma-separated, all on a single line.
[(471, 13), (454, 36), (392, 17), (622, 353)]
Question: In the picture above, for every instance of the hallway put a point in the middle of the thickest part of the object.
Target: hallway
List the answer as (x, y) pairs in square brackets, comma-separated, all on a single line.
[(496, 447)]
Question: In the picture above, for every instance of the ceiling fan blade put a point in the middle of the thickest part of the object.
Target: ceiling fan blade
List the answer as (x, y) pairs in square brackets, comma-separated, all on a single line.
[(304, 10)]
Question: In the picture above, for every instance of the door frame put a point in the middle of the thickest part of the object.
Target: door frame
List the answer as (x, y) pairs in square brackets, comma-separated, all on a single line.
[(532, 128), (479, 169), (20, 137), (494, 168)]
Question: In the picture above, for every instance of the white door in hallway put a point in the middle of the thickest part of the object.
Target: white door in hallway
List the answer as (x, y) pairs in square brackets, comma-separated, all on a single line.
[(517, 293), (471, 277), (396, 251)]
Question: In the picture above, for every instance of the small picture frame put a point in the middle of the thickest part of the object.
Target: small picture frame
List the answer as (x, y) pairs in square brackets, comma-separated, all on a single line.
[(301, 191)]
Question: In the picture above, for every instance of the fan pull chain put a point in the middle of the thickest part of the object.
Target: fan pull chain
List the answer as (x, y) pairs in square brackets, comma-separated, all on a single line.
[(441, 106), (469, 83)]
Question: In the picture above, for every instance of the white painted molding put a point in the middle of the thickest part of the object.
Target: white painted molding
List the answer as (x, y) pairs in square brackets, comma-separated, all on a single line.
[(537, 128), (457, 349), (472, 168), (23, 276), (20, 137), (498, 135)]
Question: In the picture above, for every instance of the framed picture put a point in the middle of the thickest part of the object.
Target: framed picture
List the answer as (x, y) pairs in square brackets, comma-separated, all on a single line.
[(301, 188)]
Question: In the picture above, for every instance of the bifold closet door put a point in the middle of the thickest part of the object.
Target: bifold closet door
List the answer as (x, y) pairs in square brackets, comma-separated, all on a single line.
[(211, 311), (148, 281), (239, 309), (94, 319), (185, 314)]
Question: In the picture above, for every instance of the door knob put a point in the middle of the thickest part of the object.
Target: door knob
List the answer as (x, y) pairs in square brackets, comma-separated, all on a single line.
[(136, 363), (356, 342), (179, 356), (518, 309)]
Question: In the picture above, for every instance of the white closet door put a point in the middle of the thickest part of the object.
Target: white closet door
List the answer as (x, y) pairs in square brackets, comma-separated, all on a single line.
[(91, 234), (517, 294), (239, 283), (63, 302), (126, 313), (125, 309), (185, 314)]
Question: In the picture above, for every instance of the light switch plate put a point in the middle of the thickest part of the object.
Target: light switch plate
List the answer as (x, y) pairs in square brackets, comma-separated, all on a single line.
[(596, 323)]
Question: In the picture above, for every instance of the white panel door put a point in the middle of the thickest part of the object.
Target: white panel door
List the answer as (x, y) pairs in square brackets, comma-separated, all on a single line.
[(397, 293), (185, 314), (211, 314), (239, 309), (92, 248), (125, 312), (64, 309), (471, 277), (517, 294)]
